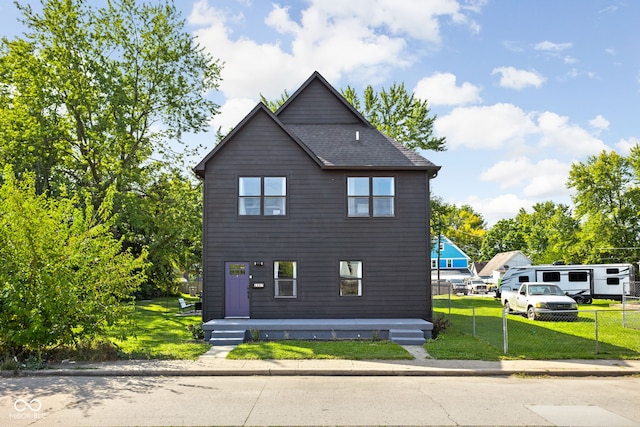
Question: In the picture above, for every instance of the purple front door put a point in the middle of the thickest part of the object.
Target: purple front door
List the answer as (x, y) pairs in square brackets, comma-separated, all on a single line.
[(236, 289)]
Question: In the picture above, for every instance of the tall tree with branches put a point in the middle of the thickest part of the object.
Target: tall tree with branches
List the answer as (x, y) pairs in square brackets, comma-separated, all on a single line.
[(93, 98)]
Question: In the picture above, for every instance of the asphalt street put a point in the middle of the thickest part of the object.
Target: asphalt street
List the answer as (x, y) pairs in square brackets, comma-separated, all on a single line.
[(319, 400)]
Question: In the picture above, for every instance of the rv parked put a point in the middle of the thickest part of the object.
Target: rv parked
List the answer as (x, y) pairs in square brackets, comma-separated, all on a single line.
[(581, 282)]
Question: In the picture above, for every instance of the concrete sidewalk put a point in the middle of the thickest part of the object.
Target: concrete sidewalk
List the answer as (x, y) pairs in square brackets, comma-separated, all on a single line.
[(213, 363)]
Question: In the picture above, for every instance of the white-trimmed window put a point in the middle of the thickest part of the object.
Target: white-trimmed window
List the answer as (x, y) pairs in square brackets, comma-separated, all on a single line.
[(434, 263), (265, 196), (351, 278), (285, 278), (371, 196)]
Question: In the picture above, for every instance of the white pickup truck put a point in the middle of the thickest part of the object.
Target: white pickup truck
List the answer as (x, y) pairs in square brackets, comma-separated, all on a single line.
[(539, 300)]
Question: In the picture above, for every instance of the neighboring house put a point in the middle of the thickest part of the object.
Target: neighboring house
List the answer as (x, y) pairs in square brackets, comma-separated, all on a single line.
[(313, 213), (453, 264), (451, 256), (495, 268), (476, 268)]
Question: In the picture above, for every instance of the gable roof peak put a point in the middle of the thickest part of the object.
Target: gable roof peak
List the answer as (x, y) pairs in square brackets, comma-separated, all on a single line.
[(316, 76), (260, 107)]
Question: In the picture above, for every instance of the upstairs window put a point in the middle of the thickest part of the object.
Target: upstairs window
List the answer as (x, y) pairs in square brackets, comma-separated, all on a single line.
[(266, 196), (371, 196)]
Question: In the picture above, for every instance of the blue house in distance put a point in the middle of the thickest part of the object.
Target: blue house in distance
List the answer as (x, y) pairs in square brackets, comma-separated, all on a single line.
[(451, 256)]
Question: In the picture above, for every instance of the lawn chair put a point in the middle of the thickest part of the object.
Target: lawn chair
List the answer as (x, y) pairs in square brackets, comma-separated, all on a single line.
[(184, 305)]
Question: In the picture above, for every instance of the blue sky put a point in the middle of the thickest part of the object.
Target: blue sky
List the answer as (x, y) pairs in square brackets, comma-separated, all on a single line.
[(522, 89)]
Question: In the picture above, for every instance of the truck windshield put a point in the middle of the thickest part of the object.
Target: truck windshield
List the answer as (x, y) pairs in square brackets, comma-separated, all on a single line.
[(545, 290)]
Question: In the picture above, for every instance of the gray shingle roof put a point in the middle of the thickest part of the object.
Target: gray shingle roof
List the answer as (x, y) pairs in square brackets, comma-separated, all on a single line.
[(498, 262), (336, 146)]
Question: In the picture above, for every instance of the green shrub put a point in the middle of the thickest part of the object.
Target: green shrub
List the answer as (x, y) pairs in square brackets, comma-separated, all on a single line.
[(196, 331), (440, 323)]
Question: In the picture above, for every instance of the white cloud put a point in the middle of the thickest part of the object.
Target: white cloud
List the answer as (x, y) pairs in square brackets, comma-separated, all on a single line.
[(548, 179), (441, 89), (413, 18), (499, 207), (514, 78), (624, 146), (362, 39), (508, 173), (544, 178), (548, 46), (486, 127), (232, 112), (599, 123), (559, 134)]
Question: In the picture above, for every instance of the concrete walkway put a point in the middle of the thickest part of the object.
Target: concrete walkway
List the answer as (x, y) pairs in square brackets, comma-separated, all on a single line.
[(213, 363)]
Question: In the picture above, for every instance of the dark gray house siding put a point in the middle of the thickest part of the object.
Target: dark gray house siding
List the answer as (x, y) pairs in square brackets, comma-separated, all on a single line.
[(316, 231), (314, 104)]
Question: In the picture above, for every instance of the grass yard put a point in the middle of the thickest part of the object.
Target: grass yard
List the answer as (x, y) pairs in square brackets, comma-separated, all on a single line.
[(159, 333), (339, 349), (533, 339)]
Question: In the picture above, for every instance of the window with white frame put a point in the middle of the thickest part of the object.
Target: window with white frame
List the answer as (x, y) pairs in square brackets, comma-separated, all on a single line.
[(371, 196), (285, 279), (449, 263), (350, 278), (434, 263), (266, 196)]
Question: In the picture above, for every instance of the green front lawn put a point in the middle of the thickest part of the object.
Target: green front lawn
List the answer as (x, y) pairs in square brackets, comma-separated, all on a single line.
[(338, 349), (159, 333), (532, 339)]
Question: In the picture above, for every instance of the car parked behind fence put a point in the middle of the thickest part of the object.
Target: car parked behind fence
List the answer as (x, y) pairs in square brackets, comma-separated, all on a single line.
[(476, 286)]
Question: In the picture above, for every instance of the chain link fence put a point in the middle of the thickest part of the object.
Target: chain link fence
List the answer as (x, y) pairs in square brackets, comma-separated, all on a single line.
[(611, 333), (598, 332)]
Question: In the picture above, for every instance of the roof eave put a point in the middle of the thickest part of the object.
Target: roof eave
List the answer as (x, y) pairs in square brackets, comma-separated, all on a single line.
[(432, 169)]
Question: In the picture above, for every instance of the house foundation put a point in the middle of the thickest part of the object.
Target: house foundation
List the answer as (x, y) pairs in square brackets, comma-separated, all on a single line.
[(236, 331)]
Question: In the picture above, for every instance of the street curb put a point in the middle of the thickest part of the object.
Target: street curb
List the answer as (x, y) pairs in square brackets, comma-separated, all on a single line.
[(315, 372)]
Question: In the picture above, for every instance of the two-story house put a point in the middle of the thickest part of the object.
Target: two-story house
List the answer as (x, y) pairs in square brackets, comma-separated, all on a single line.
[(311, 213)]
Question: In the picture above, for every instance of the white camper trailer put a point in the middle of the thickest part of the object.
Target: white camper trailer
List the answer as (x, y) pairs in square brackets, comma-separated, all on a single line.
[(583, 282)]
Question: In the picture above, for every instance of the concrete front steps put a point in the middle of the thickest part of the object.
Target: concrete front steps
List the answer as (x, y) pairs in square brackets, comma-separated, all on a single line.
[(407, 336), (404, 331), (227, 337)]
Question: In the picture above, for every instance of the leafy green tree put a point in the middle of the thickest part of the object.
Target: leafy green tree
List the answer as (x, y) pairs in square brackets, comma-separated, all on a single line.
[(505, 236), (64, 278), (93, 98), (549, 231), (607, 202), (462, 225), (440, 216), (274, 105), (398, 114), (467, 229), (165, 218)]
